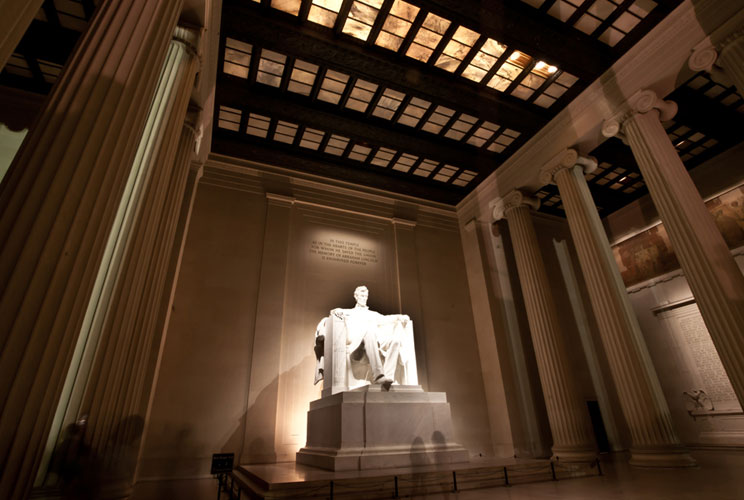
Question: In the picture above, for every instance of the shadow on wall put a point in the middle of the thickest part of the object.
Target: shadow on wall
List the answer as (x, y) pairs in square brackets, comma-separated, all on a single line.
[(253, 441), (81, 472)]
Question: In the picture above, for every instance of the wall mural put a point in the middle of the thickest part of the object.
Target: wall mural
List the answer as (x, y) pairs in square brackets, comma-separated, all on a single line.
[(649, 254)]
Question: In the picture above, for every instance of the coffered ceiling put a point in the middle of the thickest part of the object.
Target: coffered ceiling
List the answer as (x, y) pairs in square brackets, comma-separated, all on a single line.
[(421, 97)]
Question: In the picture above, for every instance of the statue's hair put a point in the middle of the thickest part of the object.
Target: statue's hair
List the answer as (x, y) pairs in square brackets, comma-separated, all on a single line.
[(359, 288)]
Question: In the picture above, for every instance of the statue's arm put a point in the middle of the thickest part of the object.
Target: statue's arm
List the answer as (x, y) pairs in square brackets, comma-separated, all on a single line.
[(395, 318)]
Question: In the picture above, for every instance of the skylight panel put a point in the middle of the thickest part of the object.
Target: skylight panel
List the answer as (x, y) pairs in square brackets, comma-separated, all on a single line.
[(483, 134), (302, 77), (311, 138), (324, 12), (359, 152), (388, 104), (427, 37), (456, 49), (509, 71), (534, 79), (258, 125), (413, 112), (285, 132), (595, 12), (360, 95), (237, 58), (229, 118), (503, 141), (484, 60), (271, 68), (445, 173), (464, 178), (425, 168), (289, 6), (556, 89), (563, 9), (361, 18), (461, 127), (397, 24), (336, 145), (333, 86), (438, 119), (382, 157), (405, 162)]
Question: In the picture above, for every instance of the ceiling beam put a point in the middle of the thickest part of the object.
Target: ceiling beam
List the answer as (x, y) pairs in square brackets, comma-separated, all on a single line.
[(296, 109), (320, 45), (48, 41), (708, 116), (304, 160)]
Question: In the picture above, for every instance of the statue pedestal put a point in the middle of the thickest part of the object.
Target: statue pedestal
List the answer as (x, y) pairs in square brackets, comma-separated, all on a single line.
[(369, 428)]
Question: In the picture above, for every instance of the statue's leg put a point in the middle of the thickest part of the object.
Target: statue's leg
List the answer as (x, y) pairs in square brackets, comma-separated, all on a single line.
[(392, 350), (373, 354)]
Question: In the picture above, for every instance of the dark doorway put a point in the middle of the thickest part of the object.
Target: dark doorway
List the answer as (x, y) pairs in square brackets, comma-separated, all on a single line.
[(600, 434)]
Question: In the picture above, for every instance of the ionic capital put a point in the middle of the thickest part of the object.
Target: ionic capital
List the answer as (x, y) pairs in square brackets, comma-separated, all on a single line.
[(703, 57), (514, 199), (188, 37), (568, 158), (642, 101)]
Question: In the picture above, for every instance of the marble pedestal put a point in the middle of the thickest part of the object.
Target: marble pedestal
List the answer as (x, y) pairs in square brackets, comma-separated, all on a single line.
[(369, 428)]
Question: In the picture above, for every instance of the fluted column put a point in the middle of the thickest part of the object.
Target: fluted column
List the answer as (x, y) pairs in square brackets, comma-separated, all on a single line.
[(57, 206), (569, 419), (118, 389), (710, 269), (731, 59), (15, 20), (654, 441)]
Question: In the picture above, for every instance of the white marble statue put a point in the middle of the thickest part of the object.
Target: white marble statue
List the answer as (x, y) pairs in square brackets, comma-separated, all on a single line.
[(378, 347)]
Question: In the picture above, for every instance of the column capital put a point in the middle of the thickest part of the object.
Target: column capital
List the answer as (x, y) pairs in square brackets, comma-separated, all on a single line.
[(189, 37), (568, 158), (641, 102), (703, 56), (511, 200)]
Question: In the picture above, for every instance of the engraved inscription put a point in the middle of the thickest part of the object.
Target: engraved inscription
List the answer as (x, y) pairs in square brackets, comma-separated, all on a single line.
[(343, 251), (717, 384)]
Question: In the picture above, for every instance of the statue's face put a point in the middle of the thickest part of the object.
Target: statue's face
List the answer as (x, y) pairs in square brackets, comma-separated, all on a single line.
[(361, 295)]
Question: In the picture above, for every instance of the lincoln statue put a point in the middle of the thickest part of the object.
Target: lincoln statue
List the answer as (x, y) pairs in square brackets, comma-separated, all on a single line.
[(379, 347)]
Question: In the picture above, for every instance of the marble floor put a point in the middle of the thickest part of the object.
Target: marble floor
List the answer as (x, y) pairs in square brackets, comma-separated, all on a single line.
[(720, 476)]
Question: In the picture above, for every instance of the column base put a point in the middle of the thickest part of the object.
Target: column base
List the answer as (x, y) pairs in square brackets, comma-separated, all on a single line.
[(672, 457), (574, 454)]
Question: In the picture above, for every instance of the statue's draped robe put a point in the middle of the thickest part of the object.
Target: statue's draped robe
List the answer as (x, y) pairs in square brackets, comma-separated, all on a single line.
[(356, 323)]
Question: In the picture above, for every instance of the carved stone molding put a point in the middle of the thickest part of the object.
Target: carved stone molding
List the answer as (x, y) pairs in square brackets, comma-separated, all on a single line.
[(512, 200), (566, 159), (280, 199), (642, 101)]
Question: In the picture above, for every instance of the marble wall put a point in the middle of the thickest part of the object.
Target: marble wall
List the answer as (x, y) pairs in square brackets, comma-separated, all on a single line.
[(686, 361), (265, 259)]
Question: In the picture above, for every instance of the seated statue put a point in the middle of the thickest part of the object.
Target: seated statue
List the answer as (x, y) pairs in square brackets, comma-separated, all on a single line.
[(378, 347)]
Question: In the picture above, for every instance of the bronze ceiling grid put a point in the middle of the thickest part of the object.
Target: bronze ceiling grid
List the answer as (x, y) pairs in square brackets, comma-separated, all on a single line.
[(467, 155), (432, 103)]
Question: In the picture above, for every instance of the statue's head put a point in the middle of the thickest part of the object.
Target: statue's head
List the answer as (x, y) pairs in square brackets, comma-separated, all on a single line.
[(361, 294)]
